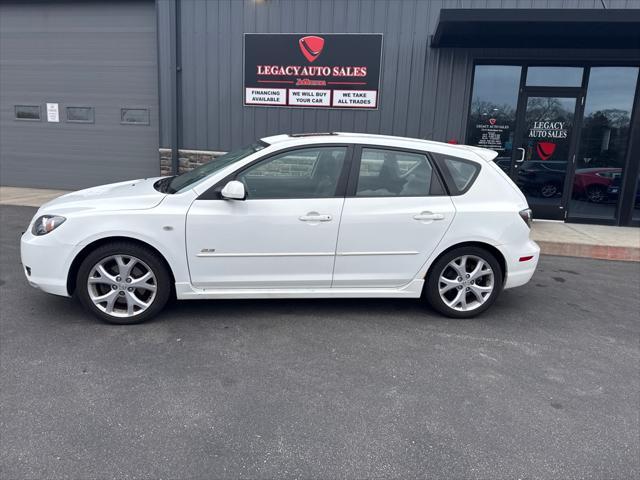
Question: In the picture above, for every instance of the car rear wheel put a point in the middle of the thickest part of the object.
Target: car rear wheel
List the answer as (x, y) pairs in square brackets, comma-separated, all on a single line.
[(123, 283), (464, 282)]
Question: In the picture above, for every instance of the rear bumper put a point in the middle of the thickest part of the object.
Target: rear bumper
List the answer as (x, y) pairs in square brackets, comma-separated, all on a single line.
[(520, 272), (45, 263)]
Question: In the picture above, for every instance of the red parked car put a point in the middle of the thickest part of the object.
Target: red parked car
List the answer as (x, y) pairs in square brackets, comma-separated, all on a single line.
[(592, 183)]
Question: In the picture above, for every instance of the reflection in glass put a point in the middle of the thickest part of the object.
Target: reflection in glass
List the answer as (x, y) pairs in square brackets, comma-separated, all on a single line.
[(603, 142), (635, 214), (546, 141), (493, 110), (554, 76)]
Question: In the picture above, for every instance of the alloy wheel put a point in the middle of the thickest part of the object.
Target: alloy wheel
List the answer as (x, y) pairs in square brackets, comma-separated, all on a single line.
[(596, 195), (122, 286), (466, 283)]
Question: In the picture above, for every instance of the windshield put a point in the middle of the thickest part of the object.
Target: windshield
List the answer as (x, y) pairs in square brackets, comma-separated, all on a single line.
[(180, 182)]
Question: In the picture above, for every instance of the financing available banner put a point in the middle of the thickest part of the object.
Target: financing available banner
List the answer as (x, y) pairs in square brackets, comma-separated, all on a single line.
[(312, 70)]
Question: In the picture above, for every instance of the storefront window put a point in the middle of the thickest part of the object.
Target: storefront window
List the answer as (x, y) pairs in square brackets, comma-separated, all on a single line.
[(635, 214), (494, 102), (603, 142), (554, 76)]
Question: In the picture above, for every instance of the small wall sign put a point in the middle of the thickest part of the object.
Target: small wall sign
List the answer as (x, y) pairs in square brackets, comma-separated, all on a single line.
[(312, 70), (53, 114)]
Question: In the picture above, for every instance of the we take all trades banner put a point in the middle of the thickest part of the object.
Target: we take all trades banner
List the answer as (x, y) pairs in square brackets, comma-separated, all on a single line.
[(312, 70)]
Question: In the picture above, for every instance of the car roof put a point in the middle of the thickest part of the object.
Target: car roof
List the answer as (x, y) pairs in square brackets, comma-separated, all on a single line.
[(464, 151)]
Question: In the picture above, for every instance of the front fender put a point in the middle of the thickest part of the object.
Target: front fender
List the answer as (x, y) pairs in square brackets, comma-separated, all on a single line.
[(161, 230)]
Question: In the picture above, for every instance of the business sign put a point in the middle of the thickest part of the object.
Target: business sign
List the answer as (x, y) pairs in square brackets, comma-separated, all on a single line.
[(492, 134), (312, 70)]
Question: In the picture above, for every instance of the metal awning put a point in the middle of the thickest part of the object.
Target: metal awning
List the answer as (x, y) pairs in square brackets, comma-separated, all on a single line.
[(538, 28)]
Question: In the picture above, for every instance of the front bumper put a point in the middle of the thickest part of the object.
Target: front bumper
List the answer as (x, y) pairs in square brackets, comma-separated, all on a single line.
[(46, 262)]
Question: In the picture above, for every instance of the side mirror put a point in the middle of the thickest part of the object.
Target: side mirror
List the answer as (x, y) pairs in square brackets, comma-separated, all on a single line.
[(234, 190)]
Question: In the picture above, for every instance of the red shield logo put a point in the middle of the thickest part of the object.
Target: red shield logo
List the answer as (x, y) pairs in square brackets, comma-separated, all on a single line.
[(311, 47), (492, 121), (545, 149)]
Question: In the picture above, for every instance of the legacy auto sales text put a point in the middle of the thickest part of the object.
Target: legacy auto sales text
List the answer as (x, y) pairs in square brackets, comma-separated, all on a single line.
[(311, 71)]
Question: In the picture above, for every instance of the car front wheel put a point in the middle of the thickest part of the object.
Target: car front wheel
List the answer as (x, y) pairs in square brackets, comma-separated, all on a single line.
[(464, 282), (123, 283)]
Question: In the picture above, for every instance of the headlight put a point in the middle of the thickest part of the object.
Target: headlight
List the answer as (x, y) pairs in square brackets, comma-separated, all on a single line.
[(46, 224)]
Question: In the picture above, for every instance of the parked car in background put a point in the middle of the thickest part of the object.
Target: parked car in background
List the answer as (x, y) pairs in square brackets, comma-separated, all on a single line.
[(543, 178), (292, 216), (592, 183)]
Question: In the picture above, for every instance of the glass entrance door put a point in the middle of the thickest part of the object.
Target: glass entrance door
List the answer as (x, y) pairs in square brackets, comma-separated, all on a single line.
[(544, 151)]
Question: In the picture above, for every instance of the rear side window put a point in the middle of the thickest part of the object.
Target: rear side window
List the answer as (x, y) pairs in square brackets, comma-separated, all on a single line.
[(459, 174), (393, 173)]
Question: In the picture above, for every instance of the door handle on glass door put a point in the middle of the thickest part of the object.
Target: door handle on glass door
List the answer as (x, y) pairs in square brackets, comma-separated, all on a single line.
[(523, 154), (428, 216), (315, 217)]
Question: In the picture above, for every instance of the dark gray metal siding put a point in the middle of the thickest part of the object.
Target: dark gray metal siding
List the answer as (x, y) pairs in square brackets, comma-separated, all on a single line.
[(424, 91), (99, 54)]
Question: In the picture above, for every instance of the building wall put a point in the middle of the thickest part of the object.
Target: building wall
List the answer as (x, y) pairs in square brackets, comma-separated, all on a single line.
[(424, 92), (93, 54)]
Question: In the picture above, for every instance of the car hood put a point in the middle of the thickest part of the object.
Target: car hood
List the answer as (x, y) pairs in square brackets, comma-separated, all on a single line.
[(130, 195)]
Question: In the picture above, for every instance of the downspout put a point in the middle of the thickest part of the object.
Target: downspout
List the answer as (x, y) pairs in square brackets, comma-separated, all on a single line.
[(176, 96)]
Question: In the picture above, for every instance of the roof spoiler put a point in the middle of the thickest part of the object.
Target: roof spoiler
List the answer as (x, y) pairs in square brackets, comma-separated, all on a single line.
[(484, 153)]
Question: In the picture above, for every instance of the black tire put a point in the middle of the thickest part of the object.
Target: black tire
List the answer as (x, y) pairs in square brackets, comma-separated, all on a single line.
[(126, 249), (432, 293)]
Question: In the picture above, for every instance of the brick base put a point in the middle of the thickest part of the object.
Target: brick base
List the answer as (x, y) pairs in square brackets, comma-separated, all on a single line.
[(187, 160)]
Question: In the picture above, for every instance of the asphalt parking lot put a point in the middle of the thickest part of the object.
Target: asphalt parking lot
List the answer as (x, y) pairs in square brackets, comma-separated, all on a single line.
[(545, 385)]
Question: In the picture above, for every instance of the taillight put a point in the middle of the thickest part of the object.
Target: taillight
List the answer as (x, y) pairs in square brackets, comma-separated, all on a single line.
[(527, 216)]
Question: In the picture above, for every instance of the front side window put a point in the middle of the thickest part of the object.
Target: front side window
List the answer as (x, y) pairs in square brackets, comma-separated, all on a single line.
[(305, 173), (390, 173)]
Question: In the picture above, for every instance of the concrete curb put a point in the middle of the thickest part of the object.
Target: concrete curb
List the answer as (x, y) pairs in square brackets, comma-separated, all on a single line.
[(602, 252)]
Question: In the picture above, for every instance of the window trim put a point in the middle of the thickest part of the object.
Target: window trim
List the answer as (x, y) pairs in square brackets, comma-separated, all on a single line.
[(147, 109), (66, 114), (354, 175), (15, 113), (451, 186), (214, 192)]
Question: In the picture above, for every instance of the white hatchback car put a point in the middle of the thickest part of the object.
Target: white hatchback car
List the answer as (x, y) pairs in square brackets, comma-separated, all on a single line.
[(292, 216)]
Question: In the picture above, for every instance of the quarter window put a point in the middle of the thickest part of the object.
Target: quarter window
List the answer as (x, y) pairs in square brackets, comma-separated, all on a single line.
[(305, 173), (459, 174), (390, 173), (27, 112)]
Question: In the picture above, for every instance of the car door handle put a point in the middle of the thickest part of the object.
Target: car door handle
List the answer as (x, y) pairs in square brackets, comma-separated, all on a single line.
[(428, 216), (315, 217)]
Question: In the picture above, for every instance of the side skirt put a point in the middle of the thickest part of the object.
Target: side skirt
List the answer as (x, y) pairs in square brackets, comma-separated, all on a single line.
[(185, 291)]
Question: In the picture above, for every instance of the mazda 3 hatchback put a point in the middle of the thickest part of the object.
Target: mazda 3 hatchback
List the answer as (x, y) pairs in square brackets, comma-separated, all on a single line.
[(292, 216)]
